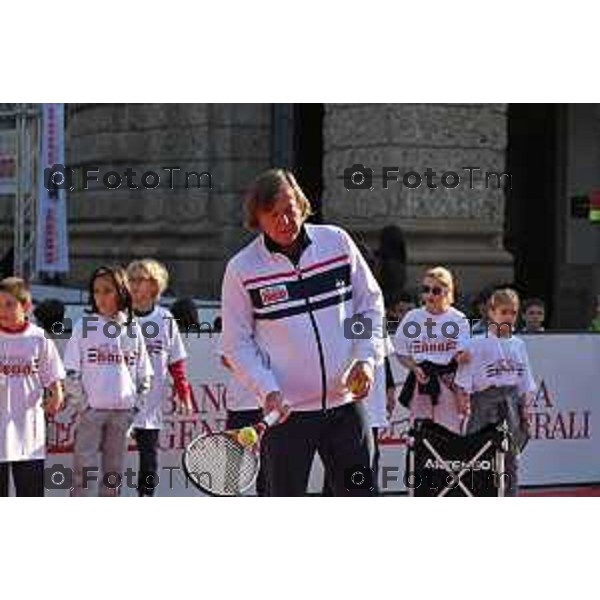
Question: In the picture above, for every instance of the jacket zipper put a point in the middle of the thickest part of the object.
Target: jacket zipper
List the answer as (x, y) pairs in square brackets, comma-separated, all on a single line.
[(319, 344)]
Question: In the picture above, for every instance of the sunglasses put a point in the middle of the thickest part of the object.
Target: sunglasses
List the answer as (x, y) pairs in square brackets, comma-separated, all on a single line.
[(435, 290)]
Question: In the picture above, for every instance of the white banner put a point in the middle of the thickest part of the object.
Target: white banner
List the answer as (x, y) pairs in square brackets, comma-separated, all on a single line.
[(565, 424), (565, 445), (52, 254), (565, 420)]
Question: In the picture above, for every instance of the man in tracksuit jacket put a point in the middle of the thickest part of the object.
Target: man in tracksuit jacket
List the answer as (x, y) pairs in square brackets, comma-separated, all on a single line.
[(304, 295)]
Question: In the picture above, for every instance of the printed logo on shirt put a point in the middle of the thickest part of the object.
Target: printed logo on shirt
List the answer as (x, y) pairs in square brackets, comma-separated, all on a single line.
[(273, 294), (504, 366), (107, 354), (419, 346), (18, 366)]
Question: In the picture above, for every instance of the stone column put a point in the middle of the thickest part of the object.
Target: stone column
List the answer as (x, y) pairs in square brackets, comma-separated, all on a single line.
[(461, 227), (194, 231)]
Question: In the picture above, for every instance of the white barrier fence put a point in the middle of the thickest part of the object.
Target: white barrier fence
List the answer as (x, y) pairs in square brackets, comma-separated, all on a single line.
[(565, 445)]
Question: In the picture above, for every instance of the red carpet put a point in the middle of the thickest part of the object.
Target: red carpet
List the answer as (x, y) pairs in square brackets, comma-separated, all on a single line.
[(588, 490)]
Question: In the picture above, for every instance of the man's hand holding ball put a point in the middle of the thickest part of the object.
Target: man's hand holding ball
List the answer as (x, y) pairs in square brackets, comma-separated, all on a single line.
[(360, 379)]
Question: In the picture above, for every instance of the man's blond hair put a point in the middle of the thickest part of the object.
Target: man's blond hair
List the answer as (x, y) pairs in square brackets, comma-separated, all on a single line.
[(263, 192)]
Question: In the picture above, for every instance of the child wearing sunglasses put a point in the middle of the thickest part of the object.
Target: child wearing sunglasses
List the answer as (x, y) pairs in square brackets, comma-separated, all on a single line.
[(497, 383), (430, 341)]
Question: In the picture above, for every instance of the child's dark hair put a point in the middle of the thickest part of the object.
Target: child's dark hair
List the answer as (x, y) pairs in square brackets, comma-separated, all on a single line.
[(118, 274), (392, 298), (49, 312), (185, 314), (533, 302)]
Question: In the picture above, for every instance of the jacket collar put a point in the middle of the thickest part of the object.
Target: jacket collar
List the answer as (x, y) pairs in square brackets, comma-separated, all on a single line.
[(273, 247)]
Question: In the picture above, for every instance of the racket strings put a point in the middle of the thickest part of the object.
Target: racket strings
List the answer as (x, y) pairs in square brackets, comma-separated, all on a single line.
[(220, 465)]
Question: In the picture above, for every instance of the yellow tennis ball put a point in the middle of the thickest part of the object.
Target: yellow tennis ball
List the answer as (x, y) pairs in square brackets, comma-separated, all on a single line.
[(355, 387), (247, 436)]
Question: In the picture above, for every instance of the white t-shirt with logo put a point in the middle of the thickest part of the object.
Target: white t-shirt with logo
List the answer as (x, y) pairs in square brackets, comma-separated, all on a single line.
[(164, 349), (29, 362), (496, 362), (112, 369), (451, 329)]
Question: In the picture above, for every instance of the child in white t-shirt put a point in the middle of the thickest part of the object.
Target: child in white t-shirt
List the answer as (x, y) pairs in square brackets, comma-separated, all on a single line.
[(148, 279), (108, 373), (430, 342), (497, 383), (29, 368)]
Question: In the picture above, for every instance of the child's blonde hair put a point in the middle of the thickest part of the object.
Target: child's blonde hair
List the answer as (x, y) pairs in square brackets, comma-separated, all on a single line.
[(444, 277), (152, 269), (502, 297), (17, 288)]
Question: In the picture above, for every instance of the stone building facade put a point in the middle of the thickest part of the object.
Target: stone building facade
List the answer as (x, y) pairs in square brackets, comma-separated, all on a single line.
[(460, 227), (192, 229), (196, 230)]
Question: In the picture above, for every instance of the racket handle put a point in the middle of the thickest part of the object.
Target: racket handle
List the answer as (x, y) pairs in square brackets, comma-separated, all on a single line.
[(273, 417)]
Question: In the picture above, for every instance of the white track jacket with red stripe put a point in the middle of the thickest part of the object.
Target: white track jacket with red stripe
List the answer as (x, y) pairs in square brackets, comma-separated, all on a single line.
[(311, 320)]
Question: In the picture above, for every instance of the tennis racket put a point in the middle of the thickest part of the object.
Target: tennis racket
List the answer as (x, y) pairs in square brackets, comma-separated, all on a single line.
[(220, 464)]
